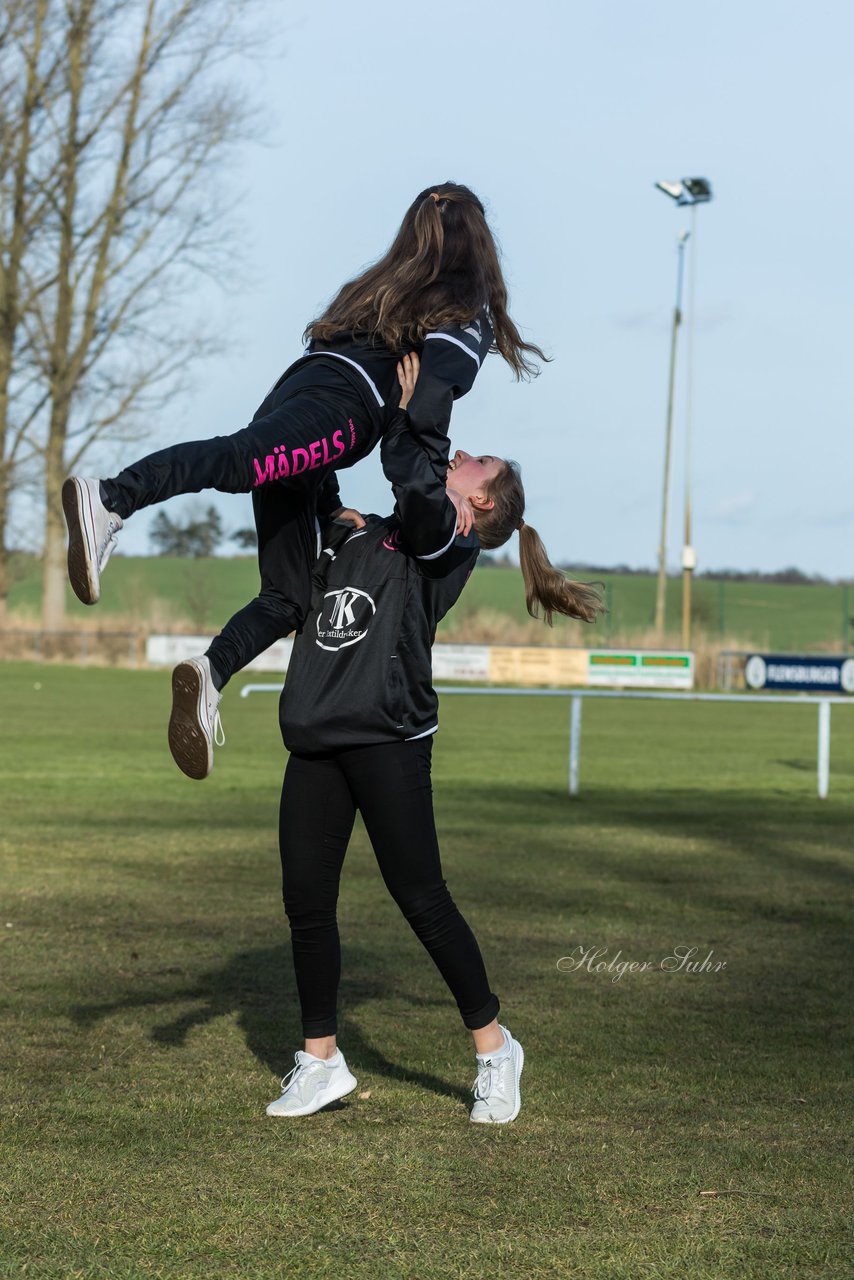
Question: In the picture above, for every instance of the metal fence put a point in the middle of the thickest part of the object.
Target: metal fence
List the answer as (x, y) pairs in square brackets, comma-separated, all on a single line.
[(813, 616), (575, 696)]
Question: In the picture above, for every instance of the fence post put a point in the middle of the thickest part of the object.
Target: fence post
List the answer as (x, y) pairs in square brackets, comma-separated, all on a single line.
[(823, 748), (574, 742)]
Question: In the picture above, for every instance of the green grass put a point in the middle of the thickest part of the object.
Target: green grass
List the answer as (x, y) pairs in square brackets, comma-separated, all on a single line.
[(149, 1003), (769, 616)]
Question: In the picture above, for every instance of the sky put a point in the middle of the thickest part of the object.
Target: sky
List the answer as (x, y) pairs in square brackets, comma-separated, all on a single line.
[(561, 116)]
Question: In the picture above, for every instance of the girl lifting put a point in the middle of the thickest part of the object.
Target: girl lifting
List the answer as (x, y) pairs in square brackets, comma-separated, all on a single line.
[(357, 714)]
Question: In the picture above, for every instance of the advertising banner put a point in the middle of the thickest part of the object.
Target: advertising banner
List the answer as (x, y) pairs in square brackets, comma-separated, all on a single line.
[(166, 651), (807, 673), (536, 666), (639, 669), (461, 662), (526, 666)]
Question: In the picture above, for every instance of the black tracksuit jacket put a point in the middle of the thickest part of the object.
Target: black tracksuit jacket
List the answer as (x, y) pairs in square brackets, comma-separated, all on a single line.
[(361, 669), (450, 360)]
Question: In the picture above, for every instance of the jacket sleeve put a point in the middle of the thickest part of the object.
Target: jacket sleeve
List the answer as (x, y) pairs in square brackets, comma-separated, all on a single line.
[(450, 361), (427, 517)]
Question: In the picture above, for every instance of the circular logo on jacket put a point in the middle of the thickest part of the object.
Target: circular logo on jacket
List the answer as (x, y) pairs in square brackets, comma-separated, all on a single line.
[(846, 675), (344, 618)]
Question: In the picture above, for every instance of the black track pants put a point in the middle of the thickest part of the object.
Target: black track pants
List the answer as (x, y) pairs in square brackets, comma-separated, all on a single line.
[(287, 549), (390, 786), (312, 422)]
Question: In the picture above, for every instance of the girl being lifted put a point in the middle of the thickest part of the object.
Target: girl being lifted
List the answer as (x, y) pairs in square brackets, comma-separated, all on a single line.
[(438, 291)]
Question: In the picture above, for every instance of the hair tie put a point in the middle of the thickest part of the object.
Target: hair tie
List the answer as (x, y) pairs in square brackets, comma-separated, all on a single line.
[(520, 526)]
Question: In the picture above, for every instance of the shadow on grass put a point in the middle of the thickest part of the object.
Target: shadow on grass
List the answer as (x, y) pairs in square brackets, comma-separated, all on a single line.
[(258, 987), (783, 833), (801, 766), (766, 874)]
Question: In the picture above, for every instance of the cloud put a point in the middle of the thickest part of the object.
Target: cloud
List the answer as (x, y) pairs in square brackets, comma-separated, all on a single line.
[(834, 519), (736, 508), (648, 319), (809, 518)]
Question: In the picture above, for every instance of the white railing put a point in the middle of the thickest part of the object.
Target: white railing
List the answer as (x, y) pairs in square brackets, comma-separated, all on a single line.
[(575, 696)]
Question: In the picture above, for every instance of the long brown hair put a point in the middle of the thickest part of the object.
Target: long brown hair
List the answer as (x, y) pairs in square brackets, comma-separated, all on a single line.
[(546, 587), (442, 268)]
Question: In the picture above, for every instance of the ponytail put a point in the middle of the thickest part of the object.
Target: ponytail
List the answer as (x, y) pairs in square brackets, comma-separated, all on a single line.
[(546, 588)]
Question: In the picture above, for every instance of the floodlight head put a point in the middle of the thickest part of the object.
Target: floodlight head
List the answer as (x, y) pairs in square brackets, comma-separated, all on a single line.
[(699, 189), (688, 191), (673, 189)]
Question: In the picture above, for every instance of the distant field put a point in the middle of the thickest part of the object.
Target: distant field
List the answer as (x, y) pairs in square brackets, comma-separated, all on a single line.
[(204, 593), (769, 616)]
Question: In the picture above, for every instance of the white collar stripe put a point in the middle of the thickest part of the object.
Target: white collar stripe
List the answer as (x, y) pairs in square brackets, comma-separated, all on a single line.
[(434, 555), (447, 338), (337, 356)]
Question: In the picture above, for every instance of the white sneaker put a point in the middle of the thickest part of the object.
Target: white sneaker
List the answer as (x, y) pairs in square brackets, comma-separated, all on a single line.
[(496, 1090), (312, 1084), (92, 533), (194, 725)]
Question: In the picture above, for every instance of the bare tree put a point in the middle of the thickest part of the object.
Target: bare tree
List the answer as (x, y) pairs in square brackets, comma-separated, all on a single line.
[(25, 79), (112, 114)]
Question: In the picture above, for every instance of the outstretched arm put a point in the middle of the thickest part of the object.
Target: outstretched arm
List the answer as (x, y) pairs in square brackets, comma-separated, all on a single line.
[(450, 360), (428, 518)]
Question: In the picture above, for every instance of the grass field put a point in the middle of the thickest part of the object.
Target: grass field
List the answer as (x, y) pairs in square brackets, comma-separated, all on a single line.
[(149, 1004), (207, 592)]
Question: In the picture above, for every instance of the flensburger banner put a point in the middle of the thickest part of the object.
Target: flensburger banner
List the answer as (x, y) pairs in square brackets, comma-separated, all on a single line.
[(806, 673)]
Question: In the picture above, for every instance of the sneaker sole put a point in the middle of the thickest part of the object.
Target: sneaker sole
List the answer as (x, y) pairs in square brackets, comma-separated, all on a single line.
[(339, 1091), (191, 748), (82, 555), (517, 1108)]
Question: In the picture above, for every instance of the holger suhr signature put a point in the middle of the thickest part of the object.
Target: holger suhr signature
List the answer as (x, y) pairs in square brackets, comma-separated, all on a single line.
[(681, 960)]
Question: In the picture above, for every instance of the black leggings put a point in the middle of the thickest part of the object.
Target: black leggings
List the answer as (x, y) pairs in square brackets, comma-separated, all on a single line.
[(390, 786)]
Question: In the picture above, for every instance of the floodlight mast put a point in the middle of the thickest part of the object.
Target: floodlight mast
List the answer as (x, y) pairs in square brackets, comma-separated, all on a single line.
[(690, 192), (660, 596)]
